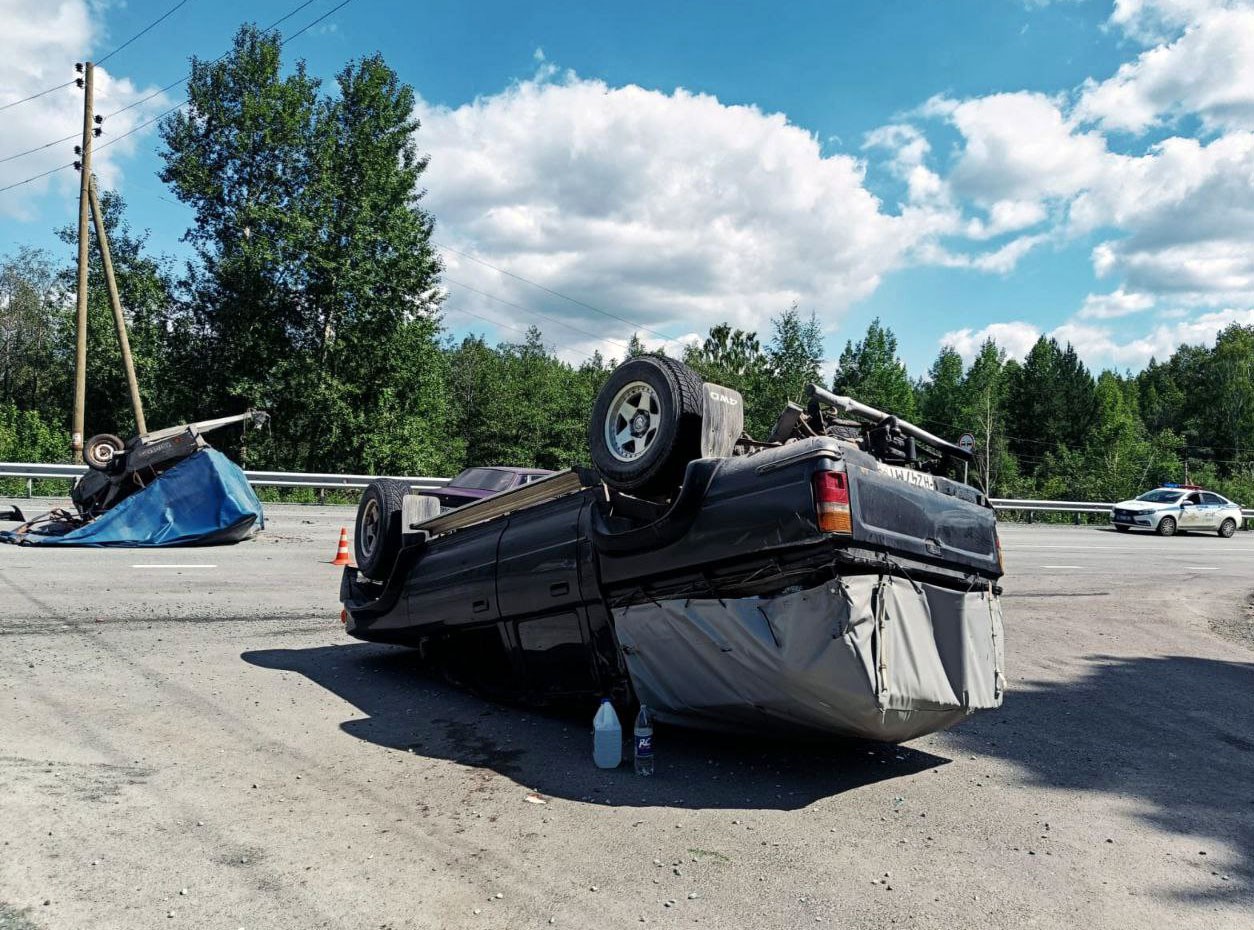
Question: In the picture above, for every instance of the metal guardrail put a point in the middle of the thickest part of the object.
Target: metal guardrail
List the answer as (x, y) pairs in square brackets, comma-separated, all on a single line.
[(32, 472), (1075, 507)]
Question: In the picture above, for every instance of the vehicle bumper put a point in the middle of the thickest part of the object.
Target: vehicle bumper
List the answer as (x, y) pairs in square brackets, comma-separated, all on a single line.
[(1145, 520), (863, 655)]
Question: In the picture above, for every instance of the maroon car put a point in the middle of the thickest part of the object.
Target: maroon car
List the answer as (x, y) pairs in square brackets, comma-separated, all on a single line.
[(475, 483)]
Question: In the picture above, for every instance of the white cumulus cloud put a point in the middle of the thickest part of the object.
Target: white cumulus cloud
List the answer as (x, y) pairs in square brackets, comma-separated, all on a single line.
[(42, 42), (1016, 338), (673, 210)]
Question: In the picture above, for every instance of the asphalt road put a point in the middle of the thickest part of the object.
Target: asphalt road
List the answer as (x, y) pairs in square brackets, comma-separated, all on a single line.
[(188, 739)]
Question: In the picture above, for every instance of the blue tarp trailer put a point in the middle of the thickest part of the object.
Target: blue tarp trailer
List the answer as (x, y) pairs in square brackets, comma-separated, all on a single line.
[(203, 500)]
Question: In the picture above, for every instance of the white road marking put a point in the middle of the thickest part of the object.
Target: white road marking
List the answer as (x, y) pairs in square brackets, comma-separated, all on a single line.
[(172, 566), (1201, 568), (1224, 551), (1062, 566)]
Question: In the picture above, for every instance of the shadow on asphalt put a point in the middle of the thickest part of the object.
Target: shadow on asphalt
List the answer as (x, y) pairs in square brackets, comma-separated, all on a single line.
[(550, 752), (1174, 732)]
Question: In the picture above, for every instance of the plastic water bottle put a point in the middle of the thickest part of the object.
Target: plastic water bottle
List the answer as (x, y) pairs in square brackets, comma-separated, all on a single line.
[(644, 742), (607, 737)]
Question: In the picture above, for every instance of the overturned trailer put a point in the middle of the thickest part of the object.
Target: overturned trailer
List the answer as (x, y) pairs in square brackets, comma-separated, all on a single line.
[(165, 488), (828, 580)]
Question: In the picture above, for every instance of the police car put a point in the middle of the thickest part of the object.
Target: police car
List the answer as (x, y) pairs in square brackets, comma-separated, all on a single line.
[(1177, 507)]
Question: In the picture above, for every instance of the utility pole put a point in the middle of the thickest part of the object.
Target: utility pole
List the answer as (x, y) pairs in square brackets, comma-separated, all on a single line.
[(102, 240), (84, 196)]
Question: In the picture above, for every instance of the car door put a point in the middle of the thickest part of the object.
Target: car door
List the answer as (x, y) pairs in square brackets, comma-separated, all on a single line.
[(1192, 512), (1213, 506)]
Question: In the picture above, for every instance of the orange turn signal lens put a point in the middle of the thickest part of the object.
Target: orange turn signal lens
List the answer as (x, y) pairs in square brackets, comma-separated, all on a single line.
[(835, 520)]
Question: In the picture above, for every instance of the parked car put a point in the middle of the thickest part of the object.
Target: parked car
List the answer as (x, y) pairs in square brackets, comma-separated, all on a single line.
[(474, 484), (827, 579), (1178, 508)]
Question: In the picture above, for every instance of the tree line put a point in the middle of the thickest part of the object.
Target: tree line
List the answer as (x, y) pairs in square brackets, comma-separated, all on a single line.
[(313, 291)]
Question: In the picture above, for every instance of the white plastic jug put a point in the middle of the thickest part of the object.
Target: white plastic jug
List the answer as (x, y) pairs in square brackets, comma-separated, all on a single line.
[(607, 737)]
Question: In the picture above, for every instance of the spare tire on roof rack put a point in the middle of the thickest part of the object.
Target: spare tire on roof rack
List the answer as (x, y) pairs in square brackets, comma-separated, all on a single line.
[(646, 425)]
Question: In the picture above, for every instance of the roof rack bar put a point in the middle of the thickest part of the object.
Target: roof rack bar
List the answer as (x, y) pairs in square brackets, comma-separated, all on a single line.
[(870, 414)]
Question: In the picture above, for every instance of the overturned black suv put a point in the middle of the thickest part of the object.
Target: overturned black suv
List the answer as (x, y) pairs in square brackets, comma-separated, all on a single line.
[(837, 577)]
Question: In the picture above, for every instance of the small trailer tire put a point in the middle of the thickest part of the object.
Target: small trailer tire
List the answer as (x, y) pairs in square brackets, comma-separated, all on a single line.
[(102, 451)]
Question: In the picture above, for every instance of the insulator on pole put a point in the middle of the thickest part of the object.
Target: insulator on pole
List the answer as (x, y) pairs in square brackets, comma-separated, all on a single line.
[(78, 66), (78, 150), (99, 119), (79, 82), (78, 165), (97, 131)]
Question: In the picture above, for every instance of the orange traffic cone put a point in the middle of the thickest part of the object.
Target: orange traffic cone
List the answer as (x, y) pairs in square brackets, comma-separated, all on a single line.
[(341, 554)]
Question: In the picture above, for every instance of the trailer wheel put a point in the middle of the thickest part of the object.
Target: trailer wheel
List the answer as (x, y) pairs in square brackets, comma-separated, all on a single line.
[(646, 425), (101, 450), (377, 539)]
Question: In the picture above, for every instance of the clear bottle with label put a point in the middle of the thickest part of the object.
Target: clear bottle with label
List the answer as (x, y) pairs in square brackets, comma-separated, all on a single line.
[(644, 742)]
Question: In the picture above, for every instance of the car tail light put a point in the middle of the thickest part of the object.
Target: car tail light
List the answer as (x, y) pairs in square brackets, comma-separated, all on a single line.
[(831, 499)]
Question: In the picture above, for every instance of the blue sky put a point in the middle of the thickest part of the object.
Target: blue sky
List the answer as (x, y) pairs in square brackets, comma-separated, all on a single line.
[(959, 169)]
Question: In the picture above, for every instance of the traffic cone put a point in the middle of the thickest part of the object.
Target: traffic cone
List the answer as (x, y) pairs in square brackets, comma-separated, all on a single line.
[(341, 554)]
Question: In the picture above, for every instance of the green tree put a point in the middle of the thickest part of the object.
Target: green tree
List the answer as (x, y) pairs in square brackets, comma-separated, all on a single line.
[(1051, 401), (871, 372), (317, 285), (36, 339), (982, 412), (940, 398)]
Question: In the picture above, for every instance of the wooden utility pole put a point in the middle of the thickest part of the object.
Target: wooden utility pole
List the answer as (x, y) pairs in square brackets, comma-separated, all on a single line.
[(84, 207), (102, 241)]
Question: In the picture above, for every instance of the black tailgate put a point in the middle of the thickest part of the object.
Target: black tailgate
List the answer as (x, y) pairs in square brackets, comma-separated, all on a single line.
[(923, 517)]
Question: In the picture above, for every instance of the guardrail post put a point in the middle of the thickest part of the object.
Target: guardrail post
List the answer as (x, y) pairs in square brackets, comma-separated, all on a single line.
[(1031, 515), (1076, 518), (30, 488)]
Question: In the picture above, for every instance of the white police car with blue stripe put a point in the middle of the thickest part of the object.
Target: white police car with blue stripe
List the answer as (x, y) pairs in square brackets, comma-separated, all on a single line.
[(1178, 508)]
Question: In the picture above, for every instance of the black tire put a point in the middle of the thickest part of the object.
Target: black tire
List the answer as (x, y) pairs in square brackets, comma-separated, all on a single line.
[(1121, 529), (102, 451), (1166, 526), (377, 536), (661, 437), (1227, 528)]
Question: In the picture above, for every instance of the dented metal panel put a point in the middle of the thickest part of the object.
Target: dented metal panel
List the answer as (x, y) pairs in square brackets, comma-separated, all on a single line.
[(865, 655)]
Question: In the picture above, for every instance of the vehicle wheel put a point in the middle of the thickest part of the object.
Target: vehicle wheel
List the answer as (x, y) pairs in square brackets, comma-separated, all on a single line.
[(646, 424), (378, 532), (1227, 528), (1121, 529), (101, 450), (1167, 526)]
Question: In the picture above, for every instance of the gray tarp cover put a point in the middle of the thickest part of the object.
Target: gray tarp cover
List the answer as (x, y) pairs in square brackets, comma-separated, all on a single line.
[(869, 656)]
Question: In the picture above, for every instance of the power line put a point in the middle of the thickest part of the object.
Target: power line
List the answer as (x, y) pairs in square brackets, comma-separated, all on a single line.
[(38, 148), (515, 329), (337, 7), (156, 22), (36, 177), (165, 113), (558, 320), (549, 290), (69, 83), (35, 96), (282, 19)]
